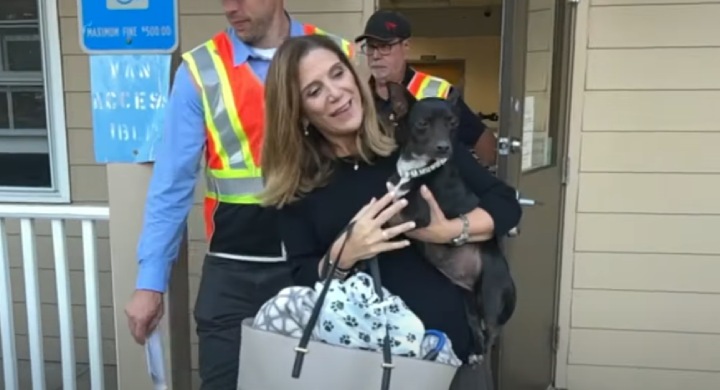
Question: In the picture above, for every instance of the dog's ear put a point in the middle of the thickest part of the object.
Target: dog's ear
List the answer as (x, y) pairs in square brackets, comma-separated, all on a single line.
[(454, 96), (399, 99)]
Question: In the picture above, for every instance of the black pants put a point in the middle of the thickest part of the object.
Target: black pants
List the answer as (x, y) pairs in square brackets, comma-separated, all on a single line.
[(230, 291)]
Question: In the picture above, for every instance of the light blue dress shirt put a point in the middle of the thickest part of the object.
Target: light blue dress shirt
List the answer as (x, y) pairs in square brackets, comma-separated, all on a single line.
[(170, 196)]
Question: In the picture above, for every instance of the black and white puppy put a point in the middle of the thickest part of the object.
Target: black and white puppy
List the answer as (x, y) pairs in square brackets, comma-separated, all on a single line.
[(424, 130)]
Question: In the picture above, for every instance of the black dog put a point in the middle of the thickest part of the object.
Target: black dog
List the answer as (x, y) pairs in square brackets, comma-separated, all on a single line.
[(424, 130)]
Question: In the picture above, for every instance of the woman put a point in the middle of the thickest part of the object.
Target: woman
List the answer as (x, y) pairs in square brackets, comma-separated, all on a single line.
[(326, 160)]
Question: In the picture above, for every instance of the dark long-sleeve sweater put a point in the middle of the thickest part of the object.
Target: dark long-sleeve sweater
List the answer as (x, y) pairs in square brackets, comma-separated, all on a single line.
[(310, 225)]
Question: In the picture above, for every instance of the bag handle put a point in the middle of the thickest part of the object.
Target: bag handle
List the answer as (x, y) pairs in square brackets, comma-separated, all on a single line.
[(387, 355), (329, 269)]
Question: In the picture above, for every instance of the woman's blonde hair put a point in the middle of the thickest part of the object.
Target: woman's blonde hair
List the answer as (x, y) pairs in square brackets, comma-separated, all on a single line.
[(295, 163)]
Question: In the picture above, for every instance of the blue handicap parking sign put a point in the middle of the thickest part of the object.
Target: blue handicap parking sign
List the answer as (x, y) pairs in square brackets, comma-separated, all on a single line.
[(128, 26)]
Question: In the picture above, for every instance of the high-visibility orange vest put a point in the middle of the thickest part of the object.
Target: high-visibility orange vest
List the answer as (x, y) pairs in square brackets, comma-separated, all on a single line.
[(423, 85), (234, 109)]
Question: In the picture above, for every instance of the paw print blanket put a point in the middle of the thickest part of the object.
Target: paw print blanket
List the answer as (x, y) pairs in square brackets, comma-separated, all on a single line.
[(353, 316)]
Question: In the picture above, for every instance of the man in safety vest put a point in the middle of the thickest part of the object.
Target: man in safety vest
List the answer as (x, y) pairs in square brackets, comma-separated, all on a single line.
[(216, 113), (386, 42)]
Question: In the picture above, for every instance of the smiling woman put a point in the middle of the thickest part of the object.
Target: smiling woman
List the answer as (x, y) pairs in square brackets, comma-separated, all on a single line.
[(326, 161), (317, 109)]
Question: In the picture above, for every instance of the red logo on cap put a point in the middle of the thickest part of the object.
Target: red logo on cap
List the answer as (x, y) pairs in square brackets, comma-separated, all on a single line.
[(390, 26)]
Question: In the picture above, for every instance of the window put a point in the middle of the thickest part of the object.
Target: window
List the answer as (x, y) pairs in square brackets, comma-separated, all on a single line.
[(33, 150)]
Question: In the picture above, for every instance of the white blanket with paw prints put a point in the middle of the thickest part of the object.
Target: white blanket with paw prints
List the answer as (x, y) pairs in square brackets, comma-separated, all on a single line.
[(353, 316)]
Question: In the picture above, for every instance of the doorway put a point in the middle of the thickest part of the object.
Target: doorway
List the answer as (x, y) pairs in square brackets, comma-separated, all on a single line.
[(517, 63)]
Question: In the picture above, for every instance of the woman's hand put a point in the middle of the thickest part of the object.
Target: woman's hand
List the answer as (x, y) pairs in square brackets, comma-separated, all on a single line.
[(368, 238), (441, 230)]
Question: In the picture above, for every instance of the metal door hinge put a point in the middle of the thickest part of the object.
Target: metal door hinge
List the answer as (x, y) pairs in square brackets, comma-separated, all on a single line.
[(573, 1), (564, 171), (555, 338)]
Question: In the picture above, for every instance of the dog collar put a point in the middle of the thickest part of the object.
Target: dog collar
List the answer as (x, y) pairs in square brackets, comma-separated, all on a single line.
[(417, 172), (407, 171)]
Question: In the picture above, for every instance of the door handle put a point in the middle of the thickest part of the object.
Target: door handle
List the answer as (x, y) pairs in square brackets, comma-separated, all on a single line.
[(508, 145), (526, 201), (523, 202)]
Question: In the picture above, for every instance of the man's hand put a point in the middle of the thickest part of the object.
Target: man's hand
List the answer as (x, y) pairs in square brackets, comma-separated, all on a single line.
[(144, 312)]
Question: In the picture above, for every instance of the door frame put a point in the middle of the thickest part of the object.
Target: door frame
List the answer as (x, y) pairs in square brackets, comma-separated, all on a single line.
[(512, 85), (560, 110), (576, 32)]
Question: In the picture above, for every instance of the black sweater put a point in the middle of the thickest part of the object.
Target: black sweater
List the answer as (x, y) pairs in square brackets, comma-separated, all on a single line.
[(310, 225)]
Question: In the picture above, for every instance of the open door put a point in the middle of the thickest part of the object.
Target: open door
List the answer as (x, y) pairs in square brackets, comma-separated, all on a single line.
[(531, 156)]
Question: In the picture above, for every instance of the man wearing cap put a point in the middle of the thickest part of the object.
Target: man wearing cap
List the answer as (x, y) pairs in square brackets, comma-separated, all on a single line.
[(386, 44)]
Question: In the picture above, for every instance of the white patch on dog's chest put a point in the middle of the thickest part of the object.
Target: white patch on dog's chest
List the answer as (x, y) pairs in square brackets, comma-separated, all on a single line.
[(404, 167)]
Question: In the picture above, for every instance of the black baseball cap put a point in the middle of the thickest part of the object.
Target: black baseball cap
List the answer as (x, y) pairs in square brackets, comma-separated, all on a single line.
[(386, 25)]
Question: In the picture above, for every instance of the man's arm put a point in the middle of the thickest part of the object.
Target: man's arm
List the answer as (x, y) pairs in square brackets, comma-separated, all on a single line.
[(170, 196), (470, 128)]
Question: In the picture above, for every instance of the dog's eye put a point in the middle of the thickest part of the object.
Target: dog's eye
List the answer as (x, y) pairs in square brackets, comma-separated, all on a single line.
[(422, 123), (452, 121)]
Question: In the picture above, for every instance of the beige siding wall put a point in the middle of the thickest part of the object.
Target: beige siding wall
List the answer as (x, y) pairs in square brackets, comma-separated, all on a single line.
[(88, 186), (87, 179), (645, 269), (200, 21)]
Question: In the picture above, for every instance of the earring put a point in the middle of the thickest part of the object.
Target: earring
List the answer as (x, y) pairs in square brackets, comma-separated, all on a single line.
[(306, 124)]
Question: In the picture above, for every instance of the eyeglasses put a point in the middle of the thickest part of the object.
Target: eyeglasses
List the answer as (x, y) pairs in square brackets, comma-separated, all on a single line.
[(382, 48)]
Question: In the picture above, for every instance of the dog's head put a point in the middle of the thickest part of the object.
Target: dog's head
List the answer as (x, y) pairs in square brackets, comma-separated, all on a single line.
[(424, 128)]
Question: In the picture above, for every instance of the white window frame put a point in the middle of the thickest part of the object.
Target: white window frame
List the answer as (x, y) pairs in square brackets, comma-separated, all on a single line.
[(55, 112)]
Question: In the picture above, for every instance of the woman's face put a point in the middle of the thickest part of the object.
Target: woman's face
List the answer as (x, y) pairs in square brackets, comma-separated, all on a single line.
[(330, 96)]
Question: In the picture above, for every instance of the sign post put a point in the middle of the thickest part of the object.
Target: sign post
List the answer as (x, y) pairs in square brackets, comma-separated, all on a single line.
[(133, 46)]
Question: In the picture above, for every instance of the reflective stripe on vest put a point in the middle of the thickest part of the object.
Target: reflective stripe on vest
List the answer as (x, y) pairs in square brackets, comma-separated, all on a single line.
[(231, 174), (241, 190), (423, 86), (231, 147), (346, 46)]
